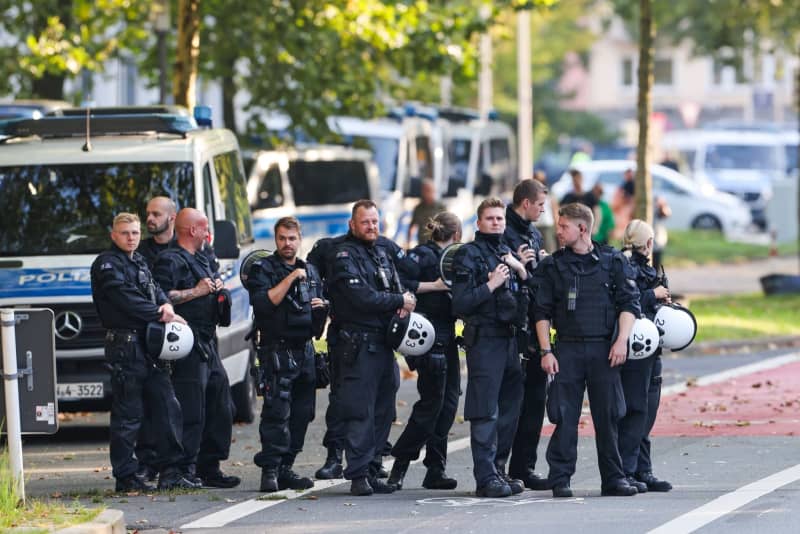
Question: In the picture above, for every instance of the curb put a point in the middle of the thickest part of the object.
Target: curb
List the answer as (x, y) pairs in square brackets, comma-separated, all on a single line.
[(109, 521), (713, 348)]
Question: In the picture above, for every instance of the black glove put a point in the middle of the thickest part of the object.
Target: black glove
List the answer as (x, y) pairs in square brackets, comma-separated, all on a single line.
[(322, 369)]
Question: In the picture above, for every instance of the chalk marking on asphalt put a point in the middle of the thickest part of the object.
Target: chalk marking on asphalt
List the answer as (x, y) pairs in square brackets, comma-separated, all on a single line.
[(243, 509), (725, 504)]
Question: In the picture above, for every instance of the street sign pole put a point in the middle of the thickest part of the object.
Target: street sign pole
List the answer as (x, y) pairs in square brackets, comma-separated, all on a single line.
[(10, 378)]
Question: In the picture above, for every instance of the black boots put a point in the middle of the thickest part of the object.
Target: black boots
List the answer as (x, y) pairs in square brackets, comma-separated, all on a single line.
[(218, 479), (269, 480), (436, 479), (333, 466), (132, 484), (653, 484), (174, 478), (398, 474), (288, 479)]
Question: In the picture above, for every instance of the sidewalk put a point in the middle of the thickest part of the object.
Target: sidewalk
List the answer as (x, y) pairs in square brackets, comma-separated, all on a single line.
[(727, 279)]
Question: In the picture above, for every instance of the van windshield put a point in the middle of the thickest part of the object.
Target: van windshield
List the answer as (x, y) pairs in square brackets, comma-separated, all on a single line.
[(743, 157), (384, 153), (319, 182), (67, 209)]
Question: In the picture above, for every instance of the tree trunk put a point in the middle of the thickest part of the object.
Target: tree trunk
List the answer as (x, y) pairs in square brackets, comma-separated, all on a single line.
[(184, 83), (50, 86), (228, 109), (644, 106)]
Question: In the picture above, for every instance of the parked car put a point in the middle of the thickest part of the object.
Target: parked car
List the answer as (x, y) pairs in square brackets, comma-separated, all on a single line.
[(694, 205)]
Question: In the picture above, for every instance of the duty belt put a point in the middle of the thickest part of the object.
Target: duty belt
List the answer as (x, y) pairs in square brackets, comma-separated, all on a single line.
[(122, 335), (583, 339), (497, 331), (368, 334), (290, 343)]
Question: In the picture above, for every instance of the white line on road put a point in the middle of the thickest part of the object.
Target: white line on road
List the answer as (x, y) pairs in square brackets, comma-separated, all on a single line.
[(243, 509), (238, 511), (727, 503)]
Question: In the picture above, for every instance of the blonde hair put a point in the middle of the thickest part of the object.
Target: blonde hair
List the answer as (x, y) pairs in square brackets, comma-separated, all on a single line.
[(637, 234), (125, 218), (443, 226)]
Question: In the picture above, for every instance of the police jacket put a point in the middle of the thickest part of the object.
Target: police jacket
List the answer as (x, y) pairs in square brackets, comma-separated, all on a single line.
[(177, 268), (421, 264), (472, 298), (123, 290), (521, 232), (583, 294), (291, 318), (646, 280), (365, 288), (149, 249)]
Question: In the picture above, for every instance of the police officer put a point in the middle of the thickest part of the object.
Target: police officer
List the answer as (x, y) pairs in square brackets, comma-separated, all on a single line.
[(641, 379), (439, 373), (485, 295), (201, 383), (366, 293), (286, 294), (525, 239), (160, 222), (127, 298), (583, 290)]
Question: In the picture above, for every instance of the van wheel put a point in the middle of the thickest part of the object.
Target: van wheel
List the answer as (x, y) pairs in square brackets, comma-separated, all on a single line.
[(706, 221), (245, 398)]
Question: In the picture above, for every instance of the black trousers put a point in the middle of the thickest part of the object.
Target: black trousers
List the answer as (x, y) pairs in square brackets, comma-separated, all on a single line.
[(135, 380), (644, 465), (367, 383), (286, 416), (492, 403), (585, 366), (439, 386), (635, 376), (202, 387), (531, 419)]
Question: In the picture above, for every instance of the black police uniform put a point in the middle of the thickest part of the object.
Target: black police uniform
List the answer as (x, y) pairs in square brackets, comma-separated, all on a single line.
[(439, 374), (582, 295), (127, 298), (150, 249), (200, 381), (365, 293), (529, 429), (641, 384), (494, 375), (286, 362)]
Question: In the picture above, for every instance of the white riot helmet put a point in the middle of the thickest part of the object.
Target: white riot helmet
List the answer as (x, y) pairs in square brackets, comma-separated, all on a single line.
[(169, 341), (678, 326), (643, 341), (411, 336)]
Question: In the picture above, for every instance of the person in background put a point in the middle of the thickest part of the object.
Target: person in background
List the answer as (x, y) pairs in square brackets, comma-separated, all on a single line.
[(661, 211), (604, 217), (547, 221), (624, 201), (424, 211)]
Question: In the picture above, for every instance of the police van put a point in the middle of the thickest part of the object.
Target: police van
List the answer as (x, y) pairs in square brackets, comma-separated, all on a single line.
[(64, 178), (318, 184)]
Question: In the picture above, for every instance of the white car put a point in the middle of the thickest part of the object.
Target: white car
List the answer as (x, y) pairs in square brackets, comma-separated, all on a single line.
[(694, 205)]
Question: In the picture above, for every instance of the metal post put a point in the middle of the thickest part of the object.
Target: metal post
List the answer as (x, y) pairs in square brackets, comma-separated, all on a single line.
[(524, 95), (162, 67), (485, 82), (13, 426)]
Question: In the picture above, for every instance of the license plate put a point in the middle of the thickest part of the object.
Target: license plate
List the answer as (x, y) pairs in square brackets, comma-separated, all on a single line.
[(89, 390)]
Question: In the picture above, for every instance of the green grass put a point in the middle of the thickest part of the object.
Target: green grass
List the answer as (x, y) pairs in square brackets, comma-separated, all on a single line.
[(746, 317), (35, 513), (698, 247)]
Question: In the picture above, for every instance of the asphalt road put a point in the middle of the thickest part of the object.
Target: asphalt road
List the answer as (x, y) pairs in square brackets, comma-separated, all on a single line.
[(707, 461)]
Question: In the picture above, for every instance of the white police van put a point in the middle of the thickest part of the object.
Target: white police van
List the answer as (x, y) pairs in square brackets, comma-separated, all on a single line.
[(63, 180), (318, 184)]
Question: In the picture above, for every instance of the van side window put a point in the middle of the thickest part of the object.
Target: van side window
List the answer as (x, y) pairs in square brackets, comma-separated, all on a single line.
[(270, 190), (208, 194), (233, 192), (422, 153), (458, 155), (499, 151)]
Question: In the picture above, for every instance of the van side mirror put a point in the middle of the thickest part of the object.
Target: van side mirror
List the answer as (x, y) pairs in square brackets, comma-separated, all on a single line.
[(226, 240)]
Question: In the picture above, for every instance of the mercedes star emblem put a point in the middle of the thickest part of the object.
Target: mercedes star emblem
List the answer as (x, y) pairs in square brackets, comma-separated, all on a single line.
[(68, 325)]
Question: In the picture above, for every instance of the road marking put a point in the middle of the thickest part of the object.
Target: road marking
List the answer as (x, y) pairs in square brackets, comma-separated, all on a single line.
[(243, 509), (727, 503), (238, 511)]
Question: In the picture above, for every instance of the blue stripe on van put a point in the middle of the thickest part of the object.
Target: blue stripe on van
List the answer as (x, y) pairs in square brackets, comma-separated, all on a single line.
[(32, 283)]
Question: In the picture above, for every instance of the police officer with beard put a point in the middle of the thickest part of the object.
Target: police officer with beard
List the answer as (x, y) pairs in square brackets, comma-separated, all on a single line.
[(641, 379), (286, 294), (201, 383), (584, 289), (524, 238), (127, 298), (160, 222), (486, 287), (365, 294), (439, 371)]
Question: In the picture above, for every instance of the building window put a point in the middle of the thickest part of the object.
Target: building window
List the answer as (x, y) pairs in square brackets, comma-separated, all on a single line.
[(627, 72), (728, 72), (662, 71)]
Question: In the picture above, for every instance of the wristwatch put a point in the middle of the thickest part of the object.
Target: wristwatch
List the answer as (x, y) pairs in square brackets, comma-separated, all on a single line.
[(546, 351)]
